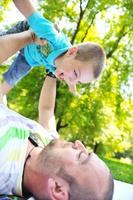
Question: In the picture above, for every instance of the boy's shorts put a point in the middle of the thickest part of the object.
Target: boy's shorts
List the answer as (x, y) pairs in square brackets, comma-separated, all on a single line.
[(18, 69)]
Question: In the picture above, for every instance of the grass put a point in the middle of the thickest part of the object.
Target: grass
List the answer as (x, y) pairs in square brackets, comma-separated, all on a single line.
[(121, 171)]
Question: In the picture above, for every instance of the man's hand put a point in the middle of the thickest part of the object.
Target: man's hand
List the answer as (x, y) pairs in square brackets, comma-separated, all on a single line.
[(37, 40), (11, 43), (41, 41)]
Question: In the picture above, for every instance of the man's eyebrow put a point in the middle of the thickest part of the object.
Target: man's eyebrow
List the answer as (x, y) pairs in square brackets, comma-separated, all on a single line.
[(86, 160)]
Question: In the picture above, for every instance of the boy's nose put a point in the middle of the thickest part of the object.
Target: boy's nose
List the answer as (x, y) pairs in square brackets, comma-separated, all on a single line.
[(70, 77)]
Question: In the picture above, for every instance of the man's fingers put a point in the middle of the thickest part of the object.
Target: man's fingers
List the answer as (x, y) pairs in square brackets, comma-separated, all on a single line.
[(41, 41)]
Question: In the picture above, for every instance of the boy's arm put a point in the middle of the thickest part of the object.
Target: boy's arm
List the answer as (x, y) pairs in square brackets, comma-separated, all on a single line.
[(25, 7), (47, 104), (42, 27), (10, 44)]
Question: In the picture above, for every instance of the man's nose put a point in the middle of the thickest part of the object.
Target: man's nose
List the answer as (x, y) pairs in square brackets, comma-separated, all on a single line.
[(80, 146)]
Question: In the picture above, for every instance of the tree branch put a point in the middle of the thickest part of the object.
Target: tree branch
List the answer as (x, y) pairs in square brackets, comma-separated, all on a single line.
[(80, 19), (121, 35), (91, 22), (86, 32), (59, 126)]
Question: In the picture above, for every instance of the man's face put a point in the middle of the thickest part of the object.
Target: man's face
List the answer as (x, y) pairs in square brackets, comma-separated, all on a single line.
[(73, 71), (86, 167)]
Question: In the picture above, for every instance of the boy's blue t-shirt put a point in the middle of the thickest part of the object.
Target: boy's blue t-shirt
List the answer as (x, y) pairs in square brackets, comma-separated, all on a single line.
[(57, 43)]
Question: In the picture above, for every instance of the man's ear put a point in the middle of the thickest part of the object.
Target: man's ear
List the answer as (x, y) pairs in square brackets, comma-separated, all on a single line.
[(72, 51), (58, 189)]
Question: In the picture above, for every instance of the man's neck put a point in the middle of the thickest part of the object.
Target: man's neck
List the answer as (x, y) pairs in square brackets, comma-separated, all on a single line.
[(30, 173)]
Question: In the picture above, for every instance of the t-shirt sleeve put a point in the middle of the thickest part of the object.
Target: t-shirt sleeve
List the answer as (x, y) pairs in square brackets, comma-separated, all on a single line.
[(54, 134), (42, 27)]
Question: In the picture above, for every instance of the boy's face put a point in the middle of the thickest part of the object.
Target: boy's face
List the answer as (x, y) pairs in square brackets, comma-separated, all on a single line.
[(73, 71)]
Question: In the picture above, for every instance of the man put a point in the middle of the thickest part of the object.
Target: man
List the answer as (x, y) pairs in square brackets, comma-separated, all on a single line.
[(31, 165), (34, 163)]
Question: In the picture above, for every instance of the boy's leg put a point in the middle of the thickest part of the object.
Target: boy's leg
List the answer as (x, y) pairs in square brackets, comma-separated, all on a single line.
[(16, 72), (19, 27)]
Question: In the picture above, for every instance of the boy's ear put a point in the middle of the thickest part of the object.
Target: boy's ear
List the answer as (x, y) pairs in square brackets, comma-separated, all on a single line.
[(58, 189), (72, 51)]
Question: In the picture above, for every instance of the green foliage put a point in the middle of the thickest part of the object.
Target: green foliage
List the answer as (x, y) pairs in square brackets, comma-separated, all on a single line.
[(3, 6), (120, 171), (52, 7)]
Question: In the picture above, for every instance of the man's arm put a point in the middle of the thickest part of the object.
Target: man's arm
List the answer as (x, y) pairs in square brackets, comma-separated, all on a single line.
[(47, 104), (1, 96), (10, 44), (26, 7)]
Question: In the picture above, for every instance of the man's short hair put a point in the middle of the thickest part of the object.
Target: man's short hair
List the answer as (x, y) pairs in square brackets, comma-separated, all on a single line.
[(78, 192)]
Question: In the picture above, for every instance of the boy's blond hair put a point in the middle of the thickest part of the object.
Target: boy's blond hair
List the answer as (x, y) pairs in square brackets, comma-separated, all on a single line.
[(93, 53)]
